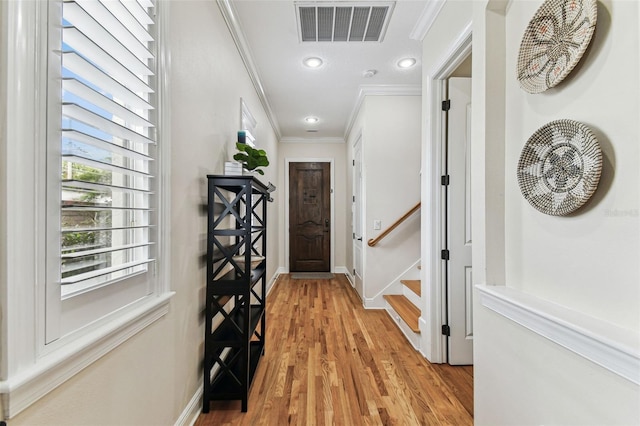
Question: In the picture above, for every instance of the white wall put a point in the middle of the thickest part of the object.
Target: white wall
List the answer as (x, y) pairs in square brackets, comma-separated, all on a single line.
[(592, 263), (152, 377), (390, 127), (521, 378), (208, 80), (325, 151), (585, 263), (139, 383)]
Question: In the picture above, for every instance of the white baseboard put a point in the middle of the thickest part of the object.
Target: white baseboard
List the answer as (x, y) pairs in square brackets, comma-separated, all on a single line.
[(431, 343), (341, 270), (378, 301), (274, 278), (191, 412), (336, 270), (394, 287), (346, 272), (351, 278)]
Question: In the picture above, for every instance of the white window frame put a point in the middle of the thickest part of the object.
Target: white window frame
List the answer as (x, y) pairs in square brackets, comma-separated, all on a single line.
[(29, 368), (248, 123)]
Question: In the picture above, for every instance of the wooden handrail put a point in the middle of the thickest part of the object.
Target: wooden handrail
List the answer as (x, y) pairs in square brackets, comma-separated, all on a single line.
[(372, 242)]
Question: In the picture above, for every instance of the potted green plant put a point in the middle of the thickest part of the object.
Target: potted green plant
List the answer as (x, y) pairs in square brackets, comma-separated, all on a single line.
[(251, 158)]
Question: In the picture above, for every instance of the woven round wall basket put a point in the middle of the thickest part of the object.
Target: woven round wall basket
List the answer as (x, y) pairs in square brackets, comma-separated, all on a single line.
[(554, 41), (559, 167)]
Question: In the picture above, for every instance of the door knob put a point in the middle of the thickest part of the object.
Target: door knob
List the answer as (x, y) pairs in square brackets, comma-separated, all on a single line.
[(326, 223)]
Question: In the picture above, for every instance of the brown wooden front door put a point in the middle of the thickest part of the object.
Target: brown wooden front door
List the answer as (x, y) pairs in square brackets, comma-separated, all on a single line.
[(309, 217)]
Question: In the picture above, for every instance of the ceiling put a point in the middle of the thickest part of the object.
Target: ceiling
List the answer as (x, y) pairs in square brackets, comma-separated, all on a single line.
[(266, 32)]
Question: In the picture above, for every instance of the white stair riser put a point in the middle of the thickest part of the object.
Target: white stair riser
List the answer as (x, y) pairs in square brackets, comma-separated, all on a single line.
[(414, 338), (413, 298)]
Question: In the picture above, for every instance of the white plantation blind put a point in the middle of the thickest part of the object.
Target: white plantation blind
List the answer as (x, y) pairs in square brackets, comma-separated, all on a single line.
[(107, 141)]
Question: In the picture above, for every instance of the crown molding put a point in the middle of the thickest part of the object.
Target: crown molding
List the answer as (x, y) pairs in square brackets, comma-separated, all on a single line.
[(379, 90), (230, 17), (427, 18), (311, 140)]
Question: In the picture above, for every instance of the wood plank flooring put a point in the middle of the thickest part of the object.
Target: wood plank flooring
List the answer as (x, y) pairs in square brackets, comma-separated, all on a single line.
[(329, 361)]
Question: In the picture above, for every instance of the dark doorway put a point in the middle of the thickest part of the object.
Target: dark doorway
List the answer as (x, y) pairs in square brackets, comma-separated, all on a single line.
[(310, 217)]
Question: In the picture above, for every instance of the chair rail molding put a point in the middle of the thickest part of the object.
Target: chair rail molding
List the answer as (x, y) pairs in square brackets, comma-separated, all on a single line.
[(613, 348)]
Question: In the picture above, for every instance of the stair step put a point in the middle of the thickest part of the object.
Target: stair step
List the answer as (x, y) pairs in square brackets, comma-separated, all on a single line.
[(413, 285), (407, 310)]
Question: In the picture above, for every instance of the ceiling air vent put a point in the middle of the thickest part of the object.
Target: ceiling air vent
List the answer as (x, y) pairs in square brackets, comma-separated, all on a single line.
[(343, 21)]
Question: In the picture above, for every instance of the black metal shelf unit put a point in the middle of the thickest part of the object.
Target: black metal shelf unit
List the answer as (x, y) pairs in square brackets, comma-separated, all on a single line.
[(234, 334)]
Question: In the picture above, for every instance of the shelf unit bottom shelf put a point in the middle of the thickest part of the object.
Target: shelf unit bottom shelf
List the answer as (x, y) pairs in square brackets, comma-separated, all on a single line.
[(226, 390)]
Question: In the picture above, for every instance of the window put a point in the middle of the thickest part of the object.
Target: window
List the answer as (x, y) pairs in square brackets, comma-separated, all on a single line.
[(82, 241), (247, 123), (103, 125)]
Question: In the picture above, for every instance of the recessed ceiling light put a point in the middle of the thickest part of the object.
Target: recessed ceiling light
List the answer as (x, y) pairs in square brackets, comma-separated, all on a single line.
[(312, 62), (311, 120), (406, 62)]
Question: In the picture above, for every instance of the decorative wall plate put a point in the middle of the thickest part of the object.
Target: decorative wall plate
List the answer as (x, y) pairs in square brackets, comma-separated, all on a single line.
[(559, 167), (554, 41)]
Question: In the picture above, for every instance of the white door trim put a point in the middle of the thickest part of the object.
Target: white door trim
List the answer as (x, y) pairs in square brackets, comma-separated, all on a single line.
[(355, 181), (287, 162), (434, 345)]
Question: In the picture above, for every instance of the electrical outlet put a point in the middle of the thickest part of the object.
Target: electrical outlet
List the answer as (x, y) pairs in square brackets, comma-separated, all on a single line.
[(377, 225)]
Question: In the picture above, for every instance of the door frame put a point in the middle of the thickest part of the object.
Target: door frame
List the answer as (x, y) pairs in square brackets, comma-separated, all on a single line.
[(354, 182), (287, 162), (434, 344)]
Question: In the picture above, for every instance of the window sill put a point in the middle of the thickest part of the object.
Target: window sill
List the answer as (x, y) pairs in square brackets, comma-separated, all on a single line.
[(51, 370), (610, 346)]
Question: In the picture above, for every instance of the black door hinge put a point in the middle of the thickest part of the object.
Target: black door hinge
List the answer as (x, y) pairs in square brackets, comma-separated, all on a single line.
[(444, 180), (354, 198), (444, 254), (446, 330), (354, 162), (446, 105)]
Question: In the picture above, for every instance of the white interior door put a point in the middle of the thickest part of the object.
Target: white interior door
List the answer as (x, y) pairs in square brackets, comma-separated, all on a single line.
[(357, 219), (459, 287)]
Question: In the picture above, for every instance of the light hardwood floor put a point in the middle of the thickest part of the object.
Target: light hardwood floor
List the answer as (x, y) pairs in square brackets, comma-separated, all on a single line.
[(328, 361)]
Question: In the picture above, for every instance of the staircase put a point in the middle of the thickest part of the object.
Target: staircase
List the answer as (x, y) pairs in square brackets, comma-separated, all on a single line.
[(405, 311), (404, 308)]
